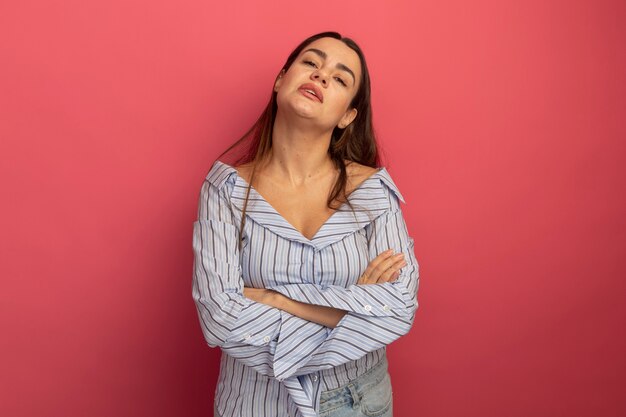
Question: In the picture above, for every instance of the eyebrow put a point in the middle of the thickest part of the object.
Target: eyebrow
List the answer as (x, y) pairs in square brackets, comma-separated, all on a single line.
[(323, 55)]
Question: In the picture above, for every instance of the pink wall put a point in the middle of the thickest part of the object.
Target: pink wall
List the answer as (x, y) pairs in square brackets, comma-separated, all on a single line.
[(503, 124)]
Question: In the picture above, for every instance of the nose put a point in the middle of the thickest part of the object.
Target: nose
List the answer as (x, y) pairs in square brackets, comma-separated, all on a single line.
[(320, 77)]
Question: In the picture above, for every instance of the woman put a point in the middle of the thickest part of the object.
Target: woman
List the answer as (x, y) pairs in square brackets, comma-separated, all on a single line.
[(303, 268)]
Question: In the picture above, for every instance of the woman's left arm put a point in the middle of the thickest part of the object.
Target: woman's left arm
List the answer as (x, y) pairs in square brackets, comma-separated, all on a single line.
[(377, 314)]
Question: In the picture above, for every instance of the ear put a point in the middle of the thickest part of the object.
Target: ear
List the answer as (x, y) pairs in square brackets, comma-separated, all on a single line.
[(347, 118), (279, 78)]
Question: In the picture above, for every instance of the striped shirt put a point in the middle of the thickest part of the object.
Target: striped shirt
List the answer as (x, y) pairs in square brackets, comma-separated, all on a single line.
[(274, 363)]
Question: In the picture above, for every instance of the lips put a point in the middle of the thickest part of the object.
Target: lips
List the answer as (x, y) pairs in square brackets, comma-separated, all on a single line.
[(315, 89)]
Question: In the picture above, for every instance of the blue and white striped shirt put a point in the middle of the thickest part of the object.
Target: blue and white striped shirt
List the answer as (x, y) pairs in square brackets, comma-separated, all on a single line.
[(274, 363)]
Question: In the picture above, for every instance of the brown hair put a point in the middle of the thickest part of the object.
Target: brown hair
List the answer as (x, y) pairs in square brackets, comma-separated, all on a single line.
[(356, 142)]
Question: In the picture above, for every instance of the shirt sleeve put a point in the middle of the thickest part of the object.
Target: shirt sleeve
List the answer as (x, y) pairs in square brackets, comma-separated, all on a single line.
[(377, 314), (243, 328)]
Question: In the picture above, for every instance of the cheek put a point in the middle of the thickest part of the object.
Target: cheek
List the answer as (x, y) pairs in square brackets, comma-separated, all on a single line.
[(341, 104), (282, 92)]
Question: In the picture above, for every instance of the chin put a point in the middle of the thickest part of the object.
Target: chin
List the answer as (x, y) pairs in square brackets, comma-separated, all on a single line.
[(300, 108)]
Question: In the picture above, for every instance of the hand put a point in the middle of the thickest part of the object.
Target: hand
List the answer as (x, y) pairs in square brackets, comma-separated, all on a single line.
[(262, 295), (384, 268)]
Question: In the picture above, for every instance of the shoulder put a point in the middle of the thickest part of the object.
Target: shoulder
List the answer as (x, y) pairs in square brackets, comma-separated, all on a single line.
[(215, 199), (221, 175), (359, 174), (219, 184), (244, 171)]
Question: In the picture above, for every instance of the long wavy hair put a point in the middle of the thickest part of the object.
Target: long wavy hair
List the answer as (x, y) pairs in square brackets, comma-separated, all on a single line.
[(356, 142)]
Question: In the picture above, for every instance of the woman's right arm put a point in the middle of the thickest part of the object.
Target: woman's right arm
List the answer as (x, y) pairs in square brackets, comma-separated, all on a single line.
[(245, 329), (326, 316), (383, 268)]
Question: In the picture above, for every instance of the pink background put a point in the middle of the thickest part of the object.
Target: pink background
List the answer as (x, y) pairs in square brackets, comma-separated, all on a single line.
[(503, 124)]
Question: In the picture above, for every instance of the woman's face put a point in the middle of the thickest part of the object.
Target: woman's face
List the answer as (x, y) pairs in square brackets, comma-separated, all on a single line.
[(333, 71)]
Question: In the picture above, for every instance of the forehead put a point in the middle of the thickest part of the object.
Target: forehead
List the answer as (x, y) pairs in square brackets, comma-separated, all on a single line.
[(337, 52)]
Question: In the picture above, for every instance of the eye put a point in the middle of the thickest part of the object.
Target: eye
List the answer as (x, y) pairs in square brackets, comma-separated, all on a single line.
[(312, 64)]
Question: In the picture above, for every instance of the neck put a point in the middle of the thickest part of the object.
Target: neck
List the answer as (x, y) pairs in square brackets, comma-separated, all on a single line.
[(299, 152)]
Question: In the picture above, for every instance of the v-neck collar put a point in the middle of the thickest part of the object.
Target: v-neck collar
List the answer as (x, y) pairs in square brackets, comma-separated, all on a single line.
[(369, 200)]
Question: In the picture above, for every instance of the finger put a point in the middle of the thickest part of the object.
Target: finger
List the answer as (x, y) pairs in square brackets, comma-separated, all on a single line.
[(392, 273), (394, 276), (386, 275), (397, 273), (377, 266), (382, 257), (386, 264), (368, 275)]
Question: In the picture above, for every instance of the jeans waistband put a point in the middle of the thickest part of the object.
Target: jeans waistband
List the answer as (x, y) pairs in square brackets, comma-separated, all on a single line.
[(370, 377)]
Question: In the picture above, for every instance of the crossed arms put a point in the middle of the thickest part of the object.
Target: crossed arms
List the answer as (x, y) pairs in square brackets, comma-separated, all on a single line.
[(296, 329)]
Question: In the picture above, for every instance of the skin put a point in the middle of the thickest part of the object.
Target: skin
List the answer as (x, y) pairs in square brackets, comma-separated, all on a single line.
[(298, 174)]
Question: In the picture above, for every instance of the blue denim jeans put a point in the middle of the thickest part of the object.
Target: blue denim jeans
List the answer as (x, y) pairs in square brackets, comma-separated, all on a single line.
[(369, 395)]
